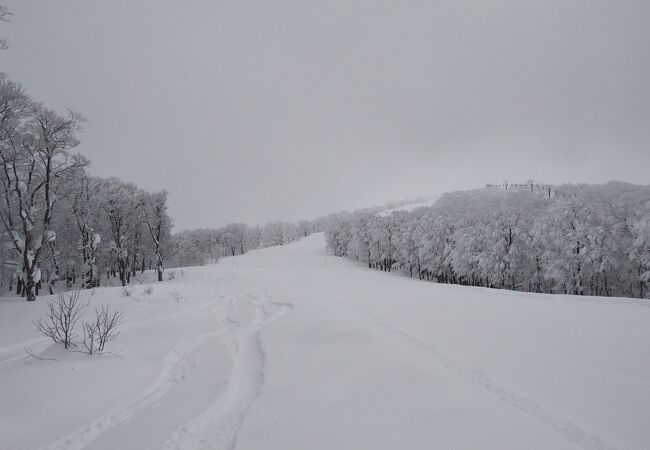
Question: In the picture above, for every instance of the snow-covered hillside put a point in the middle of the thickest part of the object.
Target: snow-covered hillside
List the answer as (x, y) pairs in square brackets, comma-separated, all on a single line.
[(410, 206), (289, 348)]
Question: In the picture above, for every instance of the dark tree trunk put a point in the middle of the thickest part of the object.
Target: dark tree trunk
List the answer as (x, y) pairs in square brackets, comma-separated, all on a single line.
[(122, 267), (30, 289)]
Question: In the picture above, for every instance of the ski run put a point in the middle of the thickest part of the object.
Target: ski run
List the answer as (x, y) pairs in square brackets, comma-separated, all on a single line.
[(291, 348)]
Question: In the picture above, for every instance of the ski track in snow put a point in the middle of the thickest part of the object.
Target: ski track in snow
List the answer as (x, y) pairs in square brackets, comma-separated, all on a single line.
[(175, 366), (218, 426), (569, 431), (17, 350)]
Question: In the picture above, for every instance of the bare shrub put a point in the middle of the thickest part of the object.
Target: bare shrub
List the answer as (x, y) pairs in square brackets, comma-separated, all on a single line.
[(90, 336), (62, 317), (103, 329), (147, 290), (177, 296), (108, 322), (127, 291)]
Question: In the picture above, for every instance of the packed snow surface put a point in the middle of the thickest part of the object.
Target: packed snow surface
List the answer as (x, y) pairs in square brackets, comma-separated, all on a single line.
[(289, 348)]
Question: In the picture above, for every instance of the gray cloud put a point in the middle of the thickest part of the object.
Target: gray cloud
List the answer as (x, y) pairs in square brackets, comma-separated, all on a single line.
[(257, 111)]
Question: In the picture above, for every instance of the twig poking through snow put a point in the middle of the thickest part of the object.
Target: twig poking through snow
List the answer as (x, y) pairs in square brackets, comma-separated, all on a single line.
[(30, 354), (177, 296)]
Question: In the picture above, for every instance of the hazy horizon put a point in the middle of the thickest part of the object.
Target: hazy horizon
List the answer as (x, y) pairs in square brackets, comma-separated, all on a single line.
[(256, 112)]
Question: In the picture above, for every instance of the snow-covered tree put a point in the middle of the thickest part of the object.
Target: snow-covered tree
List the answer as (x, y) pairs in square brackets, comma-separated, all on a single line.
[(37, 161), (159, 226), (122, 203), (584, 239), (233, 237), (87, 212), (5, 15)]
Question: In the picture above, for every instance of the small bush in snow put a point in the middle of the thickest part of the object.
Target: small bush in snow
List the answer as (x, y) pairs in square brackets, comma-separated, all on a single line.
[(127, 291), (177, 296), (90, 337), (103, 329), (171, 274), (147, 290), (63, 315)]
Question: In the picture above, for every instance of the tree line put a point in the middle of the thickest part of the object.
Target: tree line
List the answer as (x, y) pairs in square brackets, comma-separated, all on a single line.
[(58, 222), (205, 246), (585, 240), (208, 245), (61, 225)]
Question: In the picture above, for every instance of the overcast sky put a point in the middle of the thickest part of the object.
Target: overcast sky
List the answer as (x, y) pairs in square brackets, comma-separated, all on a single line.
[(259, 111)]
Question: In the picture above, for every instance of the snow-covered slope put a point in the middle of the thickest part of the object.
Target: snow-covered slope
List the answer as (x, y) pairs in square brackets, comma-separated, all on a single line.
[(289, 348), (410, 207)]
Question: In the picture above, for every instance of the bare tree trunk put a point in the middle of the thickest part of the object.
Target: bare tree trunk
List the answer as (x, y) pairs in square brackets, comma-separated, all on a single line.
[(30, 288), (159, 265), (122, 268)]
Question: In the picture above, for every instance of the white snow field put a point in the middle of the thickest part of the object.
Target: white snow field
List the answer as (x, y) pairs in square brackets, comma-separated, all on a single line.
[(411, 206), (289, 348)]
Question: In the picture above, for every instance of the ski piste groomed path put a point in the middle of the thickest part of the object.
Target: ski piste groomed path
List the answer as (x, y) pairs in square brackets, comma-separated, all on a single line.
[(291, 348)]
